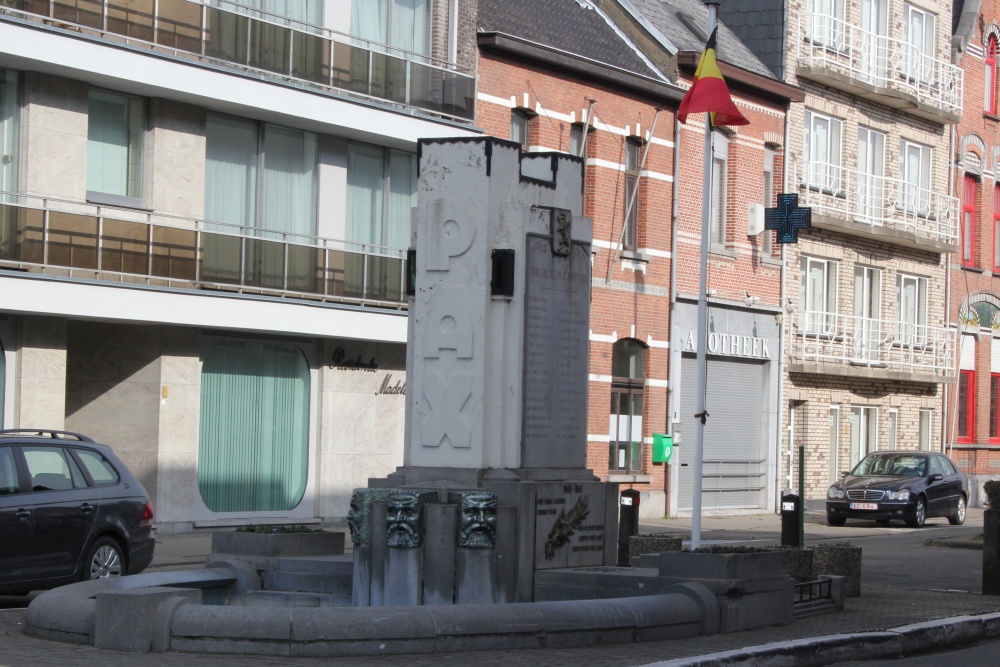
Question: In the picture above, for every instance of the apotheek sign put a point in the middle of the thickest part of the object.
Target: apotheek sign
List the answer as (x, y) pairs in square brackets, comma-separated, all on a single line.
[(731, 345)]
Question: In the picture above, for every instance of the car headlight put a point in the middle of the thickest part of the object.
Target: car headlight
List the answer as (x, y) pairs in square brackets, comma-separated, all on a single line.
[(834, 492), (903, 494)]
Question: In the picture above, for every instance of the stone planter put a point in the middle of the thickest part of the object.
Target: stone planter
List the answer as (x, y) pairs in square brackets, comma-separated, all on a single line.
[(799, 563), (841, 560), (254, 546), (652, 544), (752, 588), (991, 552)]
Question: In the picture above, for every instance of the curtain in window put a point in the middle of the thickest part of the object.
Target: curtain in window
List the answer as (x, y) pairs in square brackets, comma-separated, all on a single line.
[(402, 198), (370, 20), (8, 133), (108, 143), (365, 195), (410, 20), (254, 434), (230, 194), (3, 380), (307, 11), (289, 184)]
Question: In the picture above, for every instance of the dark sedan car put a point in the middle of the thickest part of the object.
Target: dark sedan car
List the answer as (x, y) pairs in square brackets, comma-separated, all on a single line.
[(69, 510), (909, 486)]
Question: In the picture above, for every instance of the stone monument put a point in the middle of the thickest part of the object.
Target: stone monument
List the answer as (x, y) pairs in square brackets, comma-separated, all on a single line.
[(496, 412)]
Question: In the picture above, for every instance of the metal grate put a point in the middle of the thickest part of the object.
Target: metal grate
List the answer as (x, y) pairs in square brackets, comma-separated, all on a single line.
[(809, 591), (865, 494)]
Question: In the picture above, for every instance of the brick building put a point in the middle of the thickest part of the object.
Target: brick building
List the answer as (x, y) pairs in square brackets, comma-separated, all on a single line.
[(571, 76), (971, 406), (867, 345)]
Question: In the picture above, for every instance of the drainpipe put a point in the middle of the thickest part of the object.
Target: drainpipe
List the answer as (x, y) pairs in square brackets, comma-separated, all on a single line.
[(945, 431), (675, 359), (782, 328)]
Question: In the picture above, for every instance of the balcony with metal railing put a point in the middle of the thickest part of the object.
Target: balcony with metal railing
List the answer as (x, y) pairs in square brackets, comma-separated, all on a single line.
[(78, 240), (889, 71), (890, 210), (852, 346), (266, 44)]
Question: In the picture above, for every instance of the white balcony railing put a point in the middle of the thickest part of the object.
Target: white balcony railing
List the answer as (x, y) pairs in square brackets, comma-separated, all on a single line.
[(889, 345), (268, 45), (879, 61), (877, 201), (70, 238)]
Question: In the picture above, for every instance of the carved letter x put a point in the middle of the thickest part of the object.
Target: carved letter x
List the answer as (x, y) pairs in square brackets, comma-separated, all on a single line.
[(787, 218)]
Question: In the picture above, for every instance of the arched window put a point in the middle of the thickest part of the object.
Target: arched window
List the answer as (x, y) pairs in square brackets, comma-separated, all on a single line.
[(254, 436), (519, 127), (628, 381), (990, 77), (633, 161)]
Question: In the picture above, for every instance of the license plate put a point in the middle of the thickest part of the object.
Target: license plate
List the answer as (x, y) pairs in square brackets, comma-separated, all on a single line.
[(864, 506)]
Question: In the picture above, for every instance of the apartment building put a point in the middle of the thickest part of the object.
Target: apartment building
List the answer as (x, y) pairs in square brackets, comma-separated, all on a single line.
[(603, 80), (204, 213), (971, 406), (868, 350)]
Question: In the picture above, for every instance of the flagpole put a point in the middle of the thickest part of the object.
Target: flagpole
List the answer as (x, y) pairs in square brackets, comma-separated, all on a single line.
[(706, 212)]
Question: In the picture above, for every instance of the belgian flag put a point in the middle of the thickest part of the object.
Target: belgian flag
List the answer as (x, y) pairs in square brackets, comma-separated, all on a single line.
[(710, 93)]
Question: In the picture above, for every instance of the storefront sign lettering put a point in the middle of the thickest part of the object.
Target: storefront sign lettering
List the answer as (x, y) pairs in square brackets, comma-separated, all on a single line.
[(398, 389), (732, 345), (341, 362)]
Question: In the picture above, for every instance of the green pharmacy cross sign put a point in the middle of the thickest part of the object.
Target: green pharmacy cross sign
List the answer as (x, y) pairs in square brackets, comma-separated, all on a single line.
[(787, 218)]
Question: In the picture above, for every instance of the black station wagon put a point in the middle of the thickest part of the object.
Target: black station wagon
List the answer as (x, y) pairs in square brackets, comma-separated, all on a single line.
[(909, 486), (69, 510)]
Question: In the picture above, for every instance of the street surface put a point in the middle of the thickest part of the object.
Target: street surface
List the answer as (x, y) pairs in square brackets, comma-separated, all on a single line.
[(903, 581)]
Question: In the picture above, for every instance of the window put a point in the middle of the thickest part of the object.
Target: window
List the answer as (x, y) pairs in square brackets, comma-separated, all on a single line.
[(890, 431), (970, 195), (819, 295), (996, 227), (254, 432), (874, 44), (717, 215), (3, 380), (918, 36), (924, 430), (966, 406), (8, 472), (833, 459), (766, 238), (823, 152), (116, 128), (628, 379), (9, 131), (915, 178), (381, 190), (867, 313), (995, 407), (633, 149), (261, 178), (990, 78), (864, 432), (519, 127), (576, 139), (871, 170), (307, 11), (403, 24), (826, 22), (911, 309), (100, 469), (51, 469)]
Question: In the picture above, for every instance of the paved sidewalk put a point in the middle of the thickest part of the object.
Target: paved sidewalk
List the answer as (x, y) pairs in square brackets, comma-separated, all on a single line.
[(879, 608)]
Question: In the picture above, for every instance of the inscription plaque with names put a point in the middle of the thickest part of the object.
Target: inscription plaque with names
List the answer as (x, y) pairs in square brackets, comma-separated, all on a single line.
[(556, 329)]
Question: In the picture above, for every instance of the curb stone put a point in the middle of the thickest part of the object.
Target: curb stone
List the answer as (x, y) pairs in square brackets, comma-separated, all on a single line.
[(899, 642)]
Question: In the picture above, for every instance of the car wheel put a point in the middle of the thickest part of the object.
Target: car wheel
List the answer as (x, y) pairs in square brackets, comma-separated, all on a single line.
[(916, 520), (958, 518), (836, 520), (104, 559)]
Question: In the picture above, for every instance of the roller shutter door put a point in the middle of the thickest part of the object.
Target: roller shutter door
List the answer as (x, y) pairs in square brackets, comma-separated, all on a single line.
[(734, 467)]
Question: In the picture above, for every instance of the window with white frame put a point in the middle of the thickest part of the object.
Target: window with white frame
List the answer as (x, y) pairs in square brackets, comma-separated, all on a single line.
[(918, 36), (826, 23), (381, 190), (519, 127), (766, 245), (628, 379), (915, 177), (116, 129), (717, 214), (819, 295), (890, 430), (911, 309), (576, 135), (822, 151), (864, 432), (924, 434), (871, 169), (990, 77), (833, 462), (633, 150), (9, 134)]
